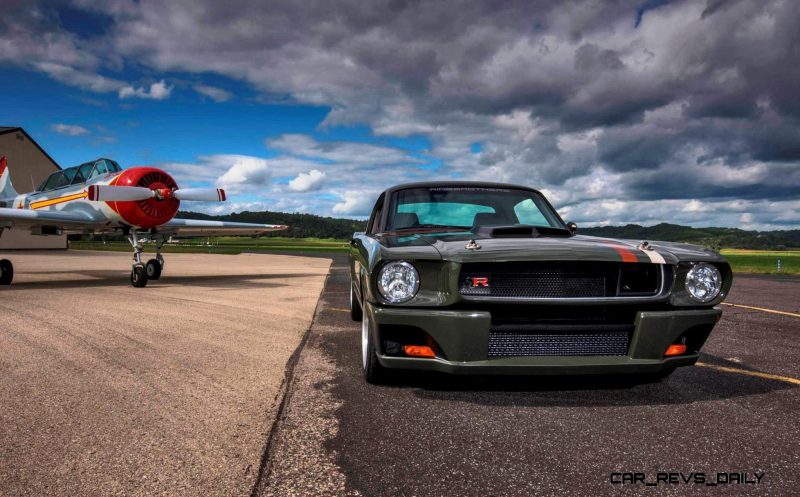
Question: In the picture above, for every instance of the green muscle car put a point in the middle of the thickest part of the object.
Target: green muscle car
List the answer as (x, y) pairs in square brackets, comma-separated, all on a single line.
[(484, 278)]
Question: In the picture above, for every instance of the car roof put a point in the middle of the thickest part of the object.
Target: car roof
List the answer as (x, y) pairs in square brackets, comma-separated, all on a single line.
[(452, 183)]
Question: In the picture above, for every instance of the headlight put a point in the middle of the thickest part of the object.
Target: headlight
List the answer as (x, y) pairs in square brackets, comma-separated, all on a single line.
[(703, 282), (398, 281)]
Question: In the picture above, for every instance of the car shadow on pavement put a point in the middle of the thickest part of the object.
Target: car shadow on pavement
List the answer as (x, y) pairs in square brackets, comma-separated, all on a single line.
[(685, 386)]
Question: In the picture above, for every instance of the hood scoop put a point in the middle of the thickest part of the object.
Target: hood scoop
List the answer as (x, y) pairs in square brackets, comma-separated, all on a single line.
[(517, 231), (505, 231)]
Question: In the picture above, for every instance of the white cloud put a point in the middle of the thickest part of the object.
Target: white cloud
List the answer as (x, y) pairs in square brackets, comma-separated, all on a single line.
[(69, 129), (216, 94), (158, 91), (608, 116), (340, 151), (244, 172), (758, 215), (355, 203), (86, 80), (304, 182)]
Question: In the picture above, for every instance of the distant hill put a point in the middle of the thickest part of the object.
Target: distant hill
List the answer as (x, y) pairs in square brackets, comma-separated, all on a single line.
[(300, 225), (710, 237), (309, 225)]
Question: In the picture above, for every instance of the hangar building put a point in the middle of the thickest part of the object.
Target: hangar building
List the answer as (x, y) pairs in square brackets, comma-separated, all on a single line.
[(29, 165)]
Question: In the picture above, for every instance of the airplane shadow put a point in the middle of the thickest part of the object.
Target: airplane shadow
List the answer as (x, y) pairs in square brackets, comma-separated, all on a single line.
[(113, 278)]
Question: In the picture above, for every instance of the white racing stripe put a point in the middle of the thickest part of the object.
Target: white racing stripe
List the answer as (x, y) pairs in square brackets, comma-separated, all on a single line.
[(655, 257)]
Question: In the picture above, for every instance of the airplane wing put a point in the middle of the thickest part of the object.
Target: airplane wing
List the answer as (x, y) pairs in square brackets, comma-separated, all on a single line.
[(81, 222), (70, 221), (200, 227)]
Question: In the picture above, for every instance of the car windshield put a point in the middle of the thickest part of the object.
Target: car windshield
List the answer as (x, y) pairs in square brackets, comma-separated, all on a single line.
[(463, 207)]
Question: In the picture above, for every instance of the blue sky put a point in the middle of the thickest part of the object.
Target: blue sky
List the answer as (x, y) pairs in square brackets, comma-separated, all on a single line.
[(641, 111), (179, 128)]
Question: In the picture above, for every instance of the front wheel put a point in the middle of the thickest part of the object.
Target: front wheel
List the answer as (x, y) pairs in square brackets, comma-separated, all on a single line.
[(6, 272), (373, 372), (356, 313), (139, 276), (153, 269)]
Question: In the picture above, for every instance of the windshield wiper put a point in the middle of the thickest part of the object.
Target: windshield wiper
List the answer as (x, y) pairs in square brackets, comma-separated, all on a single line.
[(429, 227), (443, 226)]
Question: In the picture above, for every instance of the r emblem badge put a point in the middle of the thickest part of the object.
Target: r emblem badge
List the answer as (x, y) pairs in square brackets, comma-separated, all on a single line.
[(477, 281)]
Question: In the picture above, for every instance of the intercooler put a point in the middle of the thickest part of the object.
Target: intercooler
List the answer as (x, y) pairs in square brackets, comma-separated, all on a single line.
[(559, 340)]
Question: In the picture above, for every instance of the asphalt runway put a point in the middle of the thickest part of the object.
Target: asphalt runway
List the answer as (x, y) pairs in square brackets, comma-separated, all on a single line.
[(442, 436), (166, 390), (178, 389)]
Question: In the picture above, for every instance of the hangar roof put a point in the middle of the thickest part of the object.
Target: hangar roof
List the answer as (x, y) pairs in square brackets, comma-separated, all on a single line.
[(12, 129)]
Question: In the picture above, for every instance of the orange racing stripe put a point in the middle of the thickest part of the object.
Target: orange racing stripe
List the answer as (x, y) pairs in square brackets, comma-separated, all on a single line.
[(625, 253), (58, 200)]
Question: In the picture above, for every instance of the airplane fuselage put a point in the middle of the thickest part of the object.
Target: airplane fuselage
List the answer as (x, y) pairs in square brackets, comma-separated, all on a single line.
[(75, 199)]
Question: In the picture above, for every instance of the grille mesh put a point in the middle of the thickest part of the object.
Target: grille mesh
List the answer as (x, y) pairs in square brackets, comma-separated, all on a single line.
[(532, 343), (555, 281)]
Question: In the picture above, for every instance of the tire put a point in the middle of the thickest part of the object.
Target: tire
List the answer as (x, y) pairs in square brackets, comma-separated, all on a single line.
[(356, 313), (139, 276), (6, 272), (373, 372), (153, 268)]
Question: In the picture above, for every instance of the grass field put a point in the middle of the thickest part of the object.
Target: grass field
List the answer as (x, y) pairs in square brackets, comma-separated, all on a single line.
[(743, 261), (228, 245), (763, 261)]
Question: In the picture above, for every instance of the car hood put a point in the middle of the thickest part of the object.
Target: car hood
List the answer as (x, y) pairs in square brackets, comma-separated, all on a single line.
[(453, 247)]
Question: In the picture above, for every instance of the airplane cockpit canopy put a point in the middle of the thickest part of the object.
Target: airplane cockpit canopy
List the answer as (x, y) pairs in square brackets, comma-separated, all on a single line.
[(78, 174)]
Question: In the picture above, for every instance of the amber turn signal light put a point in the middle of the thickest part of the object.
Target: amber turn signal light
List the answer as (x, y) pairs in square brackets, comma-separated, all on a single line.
[(675, 349), (418, 351)]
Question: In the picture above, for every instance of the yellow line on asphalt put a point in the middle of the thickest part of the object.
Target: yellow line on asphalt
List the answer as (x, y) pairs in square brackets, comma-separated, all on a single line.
[(338, 309), (758, 374), (771, 311)]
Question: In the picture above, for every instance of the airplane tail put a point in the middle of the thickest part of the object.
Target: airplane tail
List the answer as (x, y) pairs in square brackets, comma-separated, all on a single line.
[(7, 190)]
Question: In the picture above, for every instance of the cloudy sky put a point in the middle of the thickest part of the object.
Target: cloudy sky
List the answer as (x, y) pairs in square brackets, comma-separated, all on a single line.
[(621, 111)]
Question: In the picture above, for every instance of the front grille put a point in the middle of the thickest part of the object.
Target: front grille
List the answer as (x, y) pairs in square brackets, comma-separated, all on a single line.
[(512, 280), (611, 340)]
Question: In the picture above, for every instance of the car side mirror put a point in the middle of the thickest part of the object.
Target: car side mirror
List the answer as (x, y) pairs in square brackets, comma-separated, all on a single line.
[(573, 228)]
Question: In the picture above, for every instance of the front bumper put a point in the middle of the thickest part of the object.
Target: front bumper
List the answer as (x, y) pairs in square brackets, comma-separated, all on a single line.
[(463, 336)]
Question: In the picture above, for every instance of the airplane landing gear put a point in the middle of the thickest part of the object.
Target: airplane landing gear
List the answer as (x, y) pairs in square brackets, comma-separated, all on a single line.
[(153, 269), (6, 272), (155, 266), (138, 276), (139, 269)]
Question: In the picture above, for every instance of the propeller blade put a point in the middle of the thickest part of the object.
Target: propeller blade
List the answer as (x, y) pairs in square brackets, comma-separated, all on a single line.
[(105, 193), (200, 194)]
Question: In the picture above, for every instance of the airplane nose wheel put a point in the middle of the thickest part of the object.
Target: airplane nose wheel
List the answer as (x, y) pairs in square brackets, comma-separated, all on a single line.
[(139, 276), (155, 266), (153, 269), (139, 269), (6, 272)]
